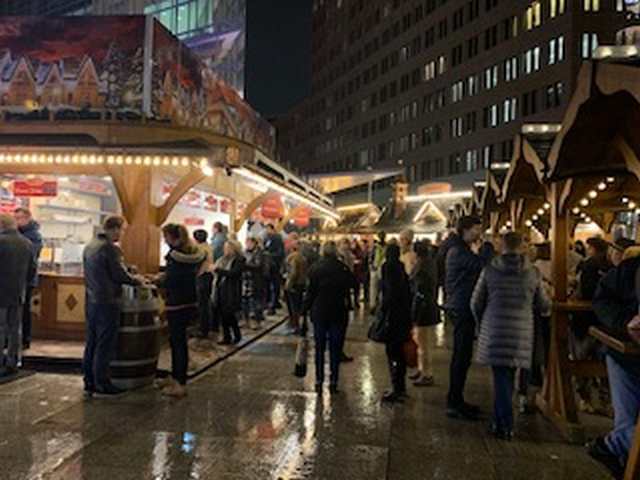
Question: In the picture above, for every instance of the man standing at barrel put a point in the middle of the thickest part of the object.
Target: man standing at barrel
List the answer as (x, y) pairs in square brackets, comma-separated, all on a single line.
[(104, 275)]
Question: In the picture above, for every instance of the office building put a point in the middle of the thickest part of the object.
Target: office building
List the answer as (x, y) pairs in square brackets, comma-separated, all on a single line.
[(437, 88)]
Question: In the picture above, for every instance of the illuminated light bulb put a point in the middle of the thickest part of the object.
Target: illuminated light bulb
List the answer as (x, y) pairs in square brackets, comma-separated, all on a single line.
[(535, 217), (185, 162), (175, 161), (610, 179), (2, 157), (110, 160), (602, 186), (83, 159), (540, 211), (138, 161), (128, 160), (587, 219), (592, 194), (165, 161), (33, 158), (584, 202), (528, 223), (508, 223), (49, 158), (632, 205), (156, 161), (546, 206), (66, 159), (583, 215), (207, 170), (18, 158), (43, 158), (9, 158), (625, 199), (147, 161), (92, 159)]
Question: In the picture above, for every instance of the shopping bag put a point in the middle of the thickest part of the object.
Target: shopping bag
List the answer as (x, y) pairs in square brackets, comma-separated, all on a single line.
[(410, 351), (302, 352), (379, 328)]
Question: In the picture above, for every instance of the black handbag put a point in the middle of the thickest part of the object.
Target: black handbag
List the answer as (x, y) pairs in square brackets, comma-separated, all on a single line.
[(379, 328)]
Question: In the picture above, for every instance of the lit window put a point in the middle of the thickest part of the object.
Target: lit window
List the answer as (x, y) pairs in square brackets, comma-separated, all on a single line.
[(591, 5), (589, 44)]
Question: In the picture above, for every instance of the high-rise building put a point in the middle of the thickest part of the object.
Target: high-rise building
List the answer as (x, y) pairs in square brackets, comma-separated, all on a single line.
[(437, 88), (215, 29)]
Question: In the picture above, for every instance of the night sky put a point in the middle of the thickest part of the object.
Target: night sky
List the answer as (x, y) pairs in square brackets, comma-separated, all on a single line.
[(278, 54)]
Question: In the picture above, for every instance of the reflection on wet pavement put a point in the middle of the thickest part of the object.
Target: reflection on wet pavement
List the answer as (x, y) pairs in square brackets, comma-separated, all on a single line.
[(250, 418)]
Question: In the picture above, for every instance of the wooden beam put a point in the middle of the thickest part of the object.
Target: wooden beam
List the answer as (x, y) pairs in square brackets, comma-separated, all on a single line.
[(186, 183), (248, 211)]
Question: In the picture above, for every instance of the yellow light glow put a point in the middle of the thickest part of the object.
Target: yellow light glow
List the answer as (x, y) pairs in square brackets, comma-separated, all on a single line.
[(128, 160), (546, 206), (540, 211), (110, 160), (602, 186), (592, 194), (584, 202)]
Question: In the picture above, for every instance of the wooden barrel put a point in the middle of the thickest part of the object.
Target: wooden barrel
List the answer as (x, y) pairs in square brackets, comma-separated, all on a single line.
[(139, 339)]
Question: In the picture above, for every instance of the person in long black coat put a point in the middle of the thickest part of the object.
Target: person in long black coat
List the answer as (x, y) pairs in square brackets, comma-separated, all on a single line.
[(227, 291), (327, 298), (396, 307)]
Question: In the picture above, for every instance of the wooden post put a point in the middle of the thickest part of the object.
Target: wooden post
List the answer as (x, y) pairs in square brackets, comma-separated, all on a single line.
[(557, 400)]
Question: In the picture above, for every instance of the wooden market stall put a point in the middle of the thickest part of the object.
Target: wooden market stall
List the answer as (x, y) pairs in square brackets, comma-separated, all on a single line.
[(594, 168)]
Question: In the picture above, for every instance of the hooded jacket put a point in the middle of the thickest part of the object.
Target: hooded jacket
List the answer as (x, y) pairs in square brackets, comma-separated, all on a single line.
[(504, 300), (179, 277)]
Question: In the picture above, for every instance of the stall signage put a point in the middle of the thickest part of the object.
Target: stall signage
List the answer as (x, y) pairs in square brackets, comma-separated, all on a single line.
[(272, 207), (302, 217), (225, 206), (35, 188), (90, 186), (8, 205), (194, 221), (211, 203)]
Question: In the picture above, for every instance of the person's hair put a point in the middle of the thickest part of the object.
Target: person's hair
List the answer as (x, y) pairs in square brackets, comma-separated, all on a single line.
[(218, 227), (177, 232), (200, 236), (467, 222), (270, 226), (7, 222), (113, 222), (422, 248), (329, 250), (622, 243), (237, 248), (23, 210), (512, 241), (407, 234), (392, 253), (598, 244), (543, 251)]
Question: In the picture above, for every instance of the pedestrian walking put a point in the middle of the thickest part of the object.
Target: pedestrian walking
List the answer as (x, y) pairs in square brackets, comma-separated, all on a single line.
[(396, 308), (227, 291), (505, 298), (424, 312), (179, 280), (462, 269), (104, 275), (295, 286), (330, 284), (253, 282), (16, 271), (29, 229)]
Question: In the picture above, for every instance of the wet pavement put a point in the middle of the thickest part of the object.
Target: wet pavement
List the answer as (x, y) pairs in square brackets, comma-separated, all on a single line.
[(250, 418)]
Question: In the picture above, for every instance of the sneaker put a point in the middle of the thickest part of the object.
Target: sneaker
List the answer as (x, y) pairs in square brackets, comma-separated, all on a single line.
[(461, 413), (599, 451), (423, 381), (415, 376), (500, 433), (175, 390)]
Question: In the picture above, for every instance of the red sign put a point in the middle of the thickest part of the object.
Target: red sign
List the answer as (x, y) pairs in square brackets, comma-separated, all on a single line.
[(35, 188), (225, 206), (302, 217), (211, 203), (194, 221), (8, 205), (272, 207)]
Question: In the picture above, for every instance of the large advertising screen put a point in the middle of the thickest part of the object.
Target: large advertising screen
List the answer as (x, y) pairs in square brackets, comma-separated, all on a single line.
[(64, 68)]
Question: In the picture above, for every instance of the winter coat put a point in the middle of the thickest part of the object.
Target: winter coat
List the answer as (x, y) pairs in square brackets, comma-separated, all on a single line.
[(327, 297), (441, 256), (31, 232), (16, 268), (424, 285), (104, 271), (227, 285), (254, 272), (396, 301), (217, 245), (505, 298), (296, 271), (274, 246), (179, 277), (616, 302), (591, 271), (462, 270)]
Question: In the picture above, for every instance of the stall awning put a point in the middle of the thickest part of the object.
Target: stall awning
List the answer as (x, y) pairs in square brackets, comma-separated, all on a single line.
[(331, 183)]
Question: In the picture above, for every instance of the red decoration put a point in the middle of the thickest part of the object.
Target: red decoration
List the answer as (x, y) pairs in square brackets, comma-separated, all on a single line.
[(194, 221), (302, 217), (35, 188), (8, 205), (211, 203), (225, 206), (272, 207)]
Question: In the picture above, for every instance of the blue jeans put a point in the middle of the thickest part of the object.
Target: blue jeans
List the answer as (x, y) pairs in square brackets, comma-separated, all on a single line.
[(102, 322), (625, 397), (503, 378), (330, 331)]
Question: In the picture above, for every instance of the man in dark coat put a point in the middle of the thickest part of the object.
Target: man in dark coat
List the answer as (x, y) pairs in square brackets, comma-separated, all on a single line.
[(327, 298), (463, 267), (16, 269), (104, 275), (274, 247), (616, 306), (29, 229)]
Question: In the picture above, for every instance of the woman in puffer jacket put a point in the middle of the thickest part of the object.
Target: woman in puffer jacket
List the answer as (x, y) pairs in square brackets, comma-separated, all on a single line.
[(508, 292)]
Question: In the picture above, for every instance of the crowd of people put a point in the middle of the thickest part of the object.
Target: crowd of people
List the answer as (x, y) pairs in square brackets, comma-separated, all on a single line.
[(491, 291)]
